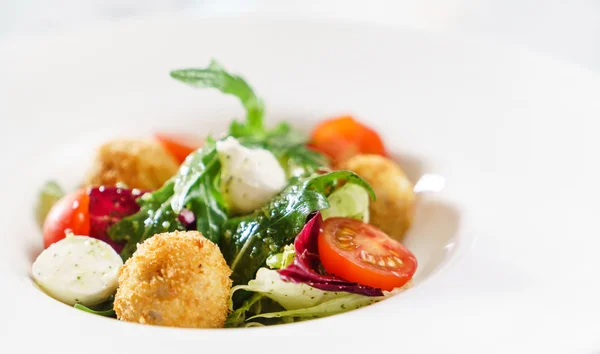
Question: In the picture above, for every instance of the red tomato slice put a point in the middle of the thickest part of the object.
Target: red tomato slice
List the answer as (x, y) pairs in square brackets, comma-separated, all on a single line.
[(343, 137), (179, 146), (71, 212), (361, 253)]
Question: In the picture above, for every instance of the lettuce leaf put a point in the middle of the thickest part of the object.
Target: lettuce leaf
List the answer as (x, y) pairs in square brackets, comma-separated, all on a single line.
[(299, 301), (291, 296), (334, 306)]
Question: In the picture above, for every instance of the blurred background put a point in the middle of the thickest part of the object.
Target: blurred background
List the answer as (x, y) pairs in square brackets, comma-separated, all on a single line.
[(569, 30)]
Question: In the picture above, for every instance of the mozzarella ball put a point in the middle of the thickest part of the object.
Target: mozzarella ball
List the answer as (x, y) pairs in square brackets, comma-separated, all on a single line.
[(249, 177), (78, 269)]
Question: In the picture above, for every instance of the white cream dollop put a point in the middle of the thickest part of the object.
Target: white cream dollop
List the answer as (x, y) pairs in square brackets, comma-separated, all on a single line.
[(78, 269), (249, 177)]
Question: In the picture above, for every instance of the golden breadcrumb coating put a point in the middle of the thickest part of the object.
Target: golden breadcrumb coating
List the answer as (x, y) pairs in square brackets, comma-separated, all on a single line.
[(137, 163), (393, 209), (177, 279)]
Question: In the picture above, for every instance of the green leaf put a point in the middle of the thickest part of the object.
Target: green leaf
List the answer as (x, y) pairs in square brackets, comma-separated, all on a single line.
[(50, 193), (238, 317), (215, 76), (105, 313), (248, 241), (155, 216), (328, 182), (105, 309), (196, 187), (289, 147)]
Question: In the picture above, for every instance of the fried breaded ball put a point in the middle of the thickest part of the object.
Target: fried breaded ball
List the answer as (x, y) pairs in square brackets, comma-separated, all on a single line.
[(137, 163), (393, 208), (176, 279)]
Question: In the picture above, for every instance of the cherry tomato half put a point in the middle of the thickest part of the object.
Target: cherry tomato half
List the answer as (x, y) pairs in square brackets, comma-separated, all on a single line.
[(343, 137), (70, 212), (361, 253), (179, 146)]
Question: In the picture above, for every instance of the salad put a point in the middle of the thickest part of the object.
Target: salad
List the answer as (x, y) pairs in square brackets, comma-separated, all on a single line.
[(260, 226)]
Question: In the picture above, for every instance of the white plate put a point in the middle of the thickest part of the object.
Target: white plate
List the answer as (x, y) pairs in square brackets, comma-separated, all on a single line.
[(508, 249)]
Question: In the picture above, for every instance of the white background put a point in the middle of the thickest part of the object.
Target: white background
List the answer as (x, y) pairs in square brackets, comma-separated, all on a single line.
[(569, 30)]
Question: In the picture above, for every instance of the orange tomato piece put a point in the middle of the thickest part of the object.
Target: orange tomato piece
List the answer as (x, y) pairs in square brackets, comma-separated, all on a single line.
[(179, 146), (343, 137)]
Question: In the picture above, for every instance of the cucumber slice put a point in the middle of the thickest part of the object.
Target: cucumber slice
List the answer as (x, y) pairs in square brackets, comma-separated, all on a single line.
[(351, 201)]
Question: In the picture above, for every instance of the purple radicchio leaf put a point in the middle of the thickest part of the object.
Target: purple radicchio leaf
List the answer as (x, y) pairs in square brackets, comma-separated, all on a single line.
[(305, 268), (108, 205)]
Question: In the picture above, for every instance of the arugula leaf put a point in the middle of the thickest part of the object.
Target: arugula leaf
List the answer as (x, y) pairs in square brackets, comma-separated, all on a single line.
[(155, 216), (331, 180), (293, 154), (215, 76), (105, 309), (105, 313), (249, 240)]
